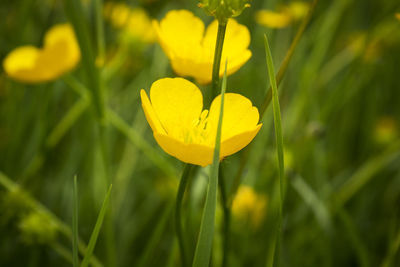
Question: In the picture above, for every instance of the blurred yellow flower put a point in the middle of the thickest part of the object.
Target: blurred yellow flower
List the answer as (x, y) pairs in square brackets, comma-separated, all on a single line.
[(397, 15), (187, 132), (134, 21), (249, 205), (284, 17), (273, 19), (190, 47), (60, 54), (386, 130)]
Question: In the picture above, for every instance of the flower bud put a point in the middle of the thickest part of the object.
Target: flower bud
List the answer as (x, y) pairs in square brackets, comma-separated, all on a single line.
[(222, 10)]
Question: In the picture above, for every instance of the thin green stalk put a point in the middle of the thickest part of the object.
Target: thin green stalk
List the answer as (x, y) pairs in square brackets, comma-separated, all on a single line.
[(268, 97), (155, 238), (288, 57), (217, 58), (204, 243), (62, 251), (13, 187), (227, 217), (101, 47), (78, 19), (393, 249), (137, 140), (75, 225), (66, 122), (363, 175), (278, 135), (178, 216), (96, 230), (355, 238)]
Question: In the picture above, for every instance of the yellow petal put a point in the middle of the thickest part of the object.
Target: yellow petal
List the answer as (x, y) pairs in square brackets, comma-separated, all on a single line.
[(237, 142), (150, 114), (272, 19), (189, 153), (180, 33), (240, 116), (20, 62), (235, 50), (61, 44), (177, 103)]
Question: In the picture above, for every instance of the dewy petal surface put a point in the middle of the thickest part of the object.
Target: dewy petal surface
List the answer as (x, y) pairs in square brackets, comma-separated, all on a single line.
[(177, 103)]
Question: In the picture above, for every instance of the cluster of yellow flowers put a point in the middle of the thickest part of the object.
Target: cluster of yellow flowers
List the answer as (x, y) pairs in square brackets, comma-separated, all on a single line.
[(286, 15)]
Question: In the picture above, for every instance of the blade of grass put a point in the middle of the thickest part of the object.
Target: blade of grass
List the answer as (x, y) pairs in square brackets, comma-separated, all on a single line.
[(155, 238), (75, 225), (278, 136), (96, 230), (178, 207), (268, 96), (32, 203), (313, 201), (362, 176), (205, 240)]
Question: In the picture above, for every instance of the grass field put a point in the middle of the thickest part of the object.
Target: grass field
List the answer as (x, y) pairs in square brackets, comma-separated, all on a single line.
[(319, 185)]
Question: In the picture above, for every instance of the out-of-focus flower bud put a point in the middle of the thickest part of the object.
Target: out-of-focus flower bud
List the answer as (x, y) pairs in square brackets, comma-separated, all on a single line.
[(222, 10)]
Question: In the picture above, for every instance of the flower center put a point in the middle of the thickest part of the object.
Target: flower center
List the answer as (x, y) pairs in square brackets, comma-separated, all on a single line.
[(197, 133)]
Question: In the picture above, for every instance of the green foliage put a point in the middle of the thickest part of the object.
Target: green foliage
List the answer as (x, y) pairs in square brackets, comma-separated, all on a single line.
[(338, 97)]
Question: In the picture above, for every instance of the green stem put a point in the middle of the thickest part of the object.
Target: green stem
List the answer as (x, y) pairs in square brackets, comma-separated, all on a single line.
[(178, 208), (217, 59), (227, 217), (267, 100), (98, 5), (288, 57)]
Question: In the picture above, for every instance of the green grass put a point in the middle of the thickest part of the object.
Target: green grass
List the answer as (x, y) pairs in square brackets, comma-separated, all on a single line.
[(340, 118)]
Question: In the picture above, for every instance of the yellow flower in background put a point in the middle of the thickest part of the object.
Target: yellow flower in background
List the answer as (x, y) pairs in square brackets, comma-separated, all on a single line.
[(190, 47), (386, 130), (397, 15), (249, 205), (187, 132), (273, 19), (286, 15), (134, 21), (60, 54)]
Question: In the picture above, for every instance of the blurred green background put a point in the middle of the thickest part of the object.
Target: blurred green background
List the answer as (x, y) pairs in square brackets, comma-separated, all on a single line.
[(341, 121)]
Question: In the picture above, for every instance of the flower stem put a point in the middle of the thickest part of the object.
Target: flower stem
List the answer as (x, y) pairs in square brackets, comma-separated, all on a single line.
[(178, 208), (217, 58), (227, 216)]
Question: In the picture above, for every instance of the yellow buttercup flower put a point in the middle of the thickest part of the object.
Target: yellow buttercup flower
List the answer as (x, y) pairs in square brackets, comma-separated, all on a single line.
[(134, 21), (60, 54), (273, 19), (187, 132), (397, 15), (249, 205), (190, 47), (284, 17)]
